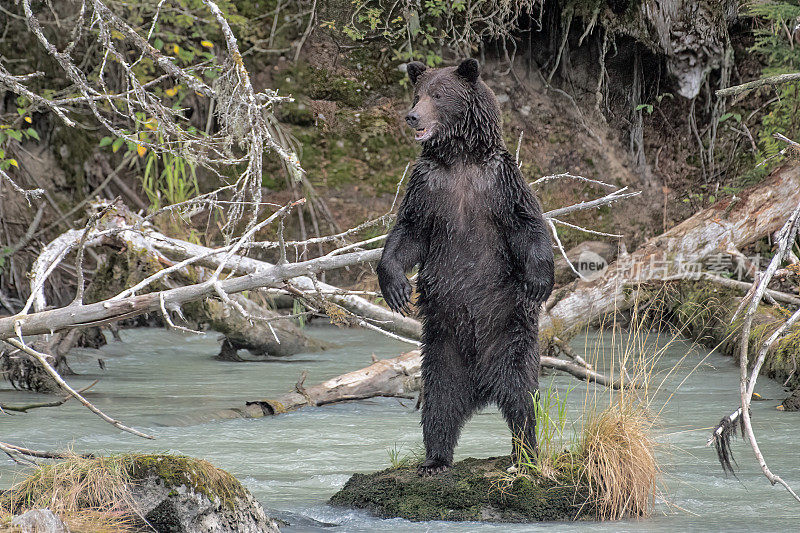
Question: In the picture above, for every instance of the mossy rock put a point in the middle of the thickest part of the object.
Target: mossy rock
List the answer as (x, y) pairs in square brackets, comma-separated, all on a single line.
[(474, 489), (173, 493)]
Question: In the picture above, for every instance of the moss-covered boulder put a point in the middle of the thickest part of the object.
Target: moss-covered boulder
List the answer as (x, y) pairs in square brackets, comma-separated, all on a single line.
[(474, 489), (133, 492), (185, 495)]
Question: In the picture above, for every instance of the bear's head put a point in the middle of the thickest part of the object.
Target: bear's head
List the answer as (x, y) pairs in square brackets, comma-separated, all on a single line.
[(454, 111)]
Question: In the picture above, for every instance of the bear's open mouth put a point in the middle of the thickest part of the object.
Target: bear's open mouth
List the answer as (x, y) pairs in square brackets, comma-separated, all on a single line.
[(423, 134)]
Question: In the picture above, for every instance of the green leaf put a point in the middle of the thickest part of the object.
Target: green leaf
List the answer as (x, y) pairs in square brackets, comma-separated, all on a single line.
[(117, 144), (14, 134), (32, 133), (105, 141), (158, 44)]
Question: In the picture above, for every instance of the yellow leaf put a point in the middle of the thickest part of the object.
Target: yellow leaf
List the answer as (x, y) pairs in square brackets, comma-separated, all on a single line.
[(141, 150), (176, 49), (150, 124), (28, 120), (13, 162), (172, 91), (207, 44)]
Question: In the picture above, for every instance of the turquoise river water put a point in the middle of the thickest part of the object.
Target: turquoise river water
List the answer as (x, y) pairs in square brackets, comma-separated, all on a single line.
[(168, 384)]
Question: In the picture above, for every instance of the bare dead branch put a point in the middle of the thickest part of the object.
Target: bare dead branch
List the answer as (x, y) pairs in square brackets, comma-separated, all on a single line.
[(755, 84)]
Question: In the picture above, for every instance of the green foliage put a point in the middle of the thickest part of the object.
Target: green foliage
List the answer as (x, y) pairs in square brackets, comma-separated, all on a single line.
[(167, 179), (773, 42), (423, 29), (551, 421), (16, 130), (298, 309)]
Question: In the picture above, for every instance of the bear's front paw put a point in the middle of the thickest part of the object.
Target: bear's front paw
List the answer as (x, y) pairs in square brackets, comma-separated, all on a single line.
[(397, 294), (538, 290), (432, 467)]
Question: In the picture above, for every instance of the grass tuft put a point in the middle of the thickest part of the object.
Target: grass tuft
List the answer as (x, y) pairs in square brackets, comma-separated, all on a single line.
[(618, 461)]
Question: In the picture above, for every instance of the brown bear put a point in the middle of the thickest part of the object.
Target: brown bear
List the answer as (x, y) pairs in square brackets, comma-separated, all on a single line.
[(485, 257)]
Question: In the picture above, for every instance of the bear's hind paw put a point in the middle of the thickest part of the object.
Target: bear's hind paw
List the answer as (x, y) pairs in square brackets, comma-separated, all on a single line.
[(432, 467)]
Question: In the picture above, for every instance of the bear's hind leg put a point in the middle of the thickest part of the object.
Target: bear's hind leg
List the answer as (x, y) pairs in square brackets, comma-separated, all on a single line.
[(519, 410), (513, 380), (447, 404)]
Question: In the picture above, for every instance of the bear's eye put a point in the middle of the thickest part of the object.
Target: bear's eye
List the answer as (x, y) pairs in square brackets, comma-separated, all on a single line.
[(437, 96)]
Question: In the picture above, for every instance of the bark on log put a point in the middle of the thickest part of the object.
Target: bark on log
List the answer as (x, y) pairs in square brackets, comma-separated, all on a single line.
[(398, 376), (755, 213)]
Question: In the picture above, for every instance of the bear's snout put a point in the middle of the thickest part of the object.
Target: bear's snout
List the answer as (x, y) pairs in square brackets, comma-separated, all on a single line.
[(412, 119)]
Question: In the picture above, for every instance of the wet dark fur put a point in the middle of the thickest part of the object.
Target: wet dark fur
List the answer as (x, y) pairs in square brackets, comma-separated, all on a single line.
[(486, 263)]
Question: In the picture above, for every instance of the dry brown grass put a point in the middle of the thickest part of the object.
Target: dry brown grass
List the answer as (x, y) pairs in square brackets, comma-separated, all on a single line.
[(89, 494), (92, 494), (618, 460)]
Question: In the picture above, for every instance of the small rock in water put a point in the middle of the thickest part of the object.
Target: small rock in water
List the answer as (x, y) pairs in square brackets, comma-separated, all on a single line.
[(473, 489), (39, 521), (792, 403)]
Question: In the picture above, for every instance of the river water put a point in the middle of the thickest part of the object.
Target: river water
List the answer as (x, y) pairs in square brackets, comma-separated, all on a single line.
[(168, 384)]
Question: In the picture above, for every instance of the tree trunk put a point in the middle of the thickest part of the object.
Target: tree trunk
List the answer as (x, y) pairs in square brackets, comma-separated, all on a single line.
[(729, 224)]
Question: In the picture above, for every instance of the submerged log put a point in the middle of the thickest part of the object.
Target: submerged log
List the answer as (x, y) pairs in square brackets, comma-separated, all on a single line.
[(388, 377), (274, 336), (473, 489)]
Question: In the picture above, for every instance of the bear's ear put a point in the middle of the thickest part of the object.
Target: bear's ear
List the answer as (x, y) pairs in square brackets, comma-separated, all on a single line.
[(469, 69), (414, 69)]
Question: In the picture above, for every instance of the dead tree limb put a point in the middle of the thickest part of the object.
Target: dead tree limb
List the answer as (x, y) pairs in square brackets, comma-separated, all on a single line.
[(55, 403), (738, 221), (112, 310), (396, 377), (755, 84)]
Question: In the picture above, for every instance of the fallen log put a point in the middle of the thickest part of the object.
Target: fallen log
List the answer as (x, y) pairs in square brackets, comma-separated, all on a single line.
[(396, 377), (387, 319), (113, 310), (135, 260), (272, 335), (734, 222)]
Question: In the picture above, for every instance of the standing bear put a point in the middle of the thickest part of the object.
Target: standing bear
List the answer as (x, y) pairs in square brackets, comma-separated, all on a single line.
[(485, 260)]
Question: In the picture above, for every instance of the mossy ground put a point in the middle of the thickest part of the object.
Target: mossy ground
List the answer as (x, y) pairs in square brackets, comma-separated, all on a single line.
[(474, 489)]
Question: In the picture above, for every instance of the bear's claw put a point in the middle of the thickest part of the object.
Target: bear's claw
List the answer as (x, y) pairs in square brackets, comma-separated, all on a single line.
[(397, 297), (432, 467)]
